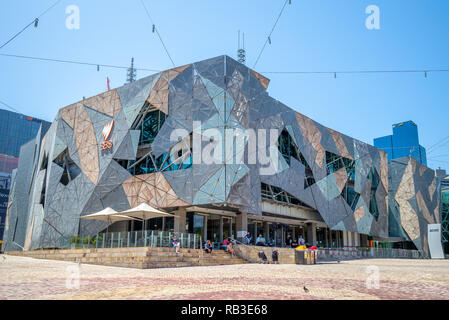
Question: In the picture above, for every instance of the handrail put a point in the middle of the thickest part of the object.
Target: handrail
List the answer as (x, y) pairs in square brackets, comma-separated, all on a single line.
[(147, 238)]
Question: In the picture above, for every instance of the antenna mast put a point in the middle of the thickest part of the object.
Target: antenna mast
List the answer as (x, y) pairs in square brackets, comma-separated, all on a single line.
[(132, 73), (241, 53)]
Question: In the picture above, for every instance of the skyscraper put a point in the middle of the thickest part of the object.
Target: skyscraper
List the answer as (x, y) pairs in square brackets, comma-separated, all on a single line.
[(403, 142)]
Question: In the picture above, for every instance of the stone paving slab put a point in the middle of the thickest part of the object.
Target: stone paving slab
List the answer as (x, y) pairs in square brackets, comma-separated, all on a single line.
[(27, 278)]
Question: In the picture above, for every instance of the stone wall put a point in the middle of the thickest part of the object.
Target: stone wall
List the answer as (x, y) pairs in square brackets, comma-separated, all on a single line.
[(251, 254)]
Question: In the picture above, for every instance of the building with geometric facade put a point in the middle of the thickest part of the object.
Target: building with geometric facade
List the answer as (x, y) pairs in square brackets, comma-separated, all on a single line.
[(414, 201), (445, 212), (273, 170), (15, 130)]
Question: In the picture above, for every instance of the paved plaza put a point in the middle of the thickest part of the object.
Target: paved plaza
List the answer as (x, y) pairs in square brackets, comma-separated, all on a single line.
[(27, 278)]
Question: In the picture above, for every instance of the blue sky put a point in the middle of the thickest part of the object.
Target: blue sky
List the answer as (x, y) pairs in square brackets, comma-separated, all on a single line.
[(319, 35)]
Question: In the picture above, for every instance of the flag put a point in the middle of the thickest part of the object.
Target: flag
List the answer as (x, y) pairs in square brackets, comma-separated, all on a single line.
[(108, 86)]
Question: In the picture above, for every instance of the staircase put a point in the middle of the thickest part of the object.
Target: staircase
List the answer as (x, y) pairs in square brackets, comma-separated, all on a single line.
[(141, 258)]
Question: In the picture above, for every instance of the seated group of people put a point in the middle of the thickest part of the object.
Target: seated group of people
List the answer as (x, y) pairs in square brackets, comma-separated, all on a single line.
[(227, 243), (208, 247), (293, 243), (260, 241)]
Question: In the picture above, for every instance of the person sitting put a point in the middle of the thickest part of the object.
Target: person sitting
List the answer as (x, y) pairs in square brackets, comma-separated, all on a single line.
[(248, 238), (175, 244), (294, 244), (260, 241), (225, 243), (230, 249), (208, 246), (301, 241)]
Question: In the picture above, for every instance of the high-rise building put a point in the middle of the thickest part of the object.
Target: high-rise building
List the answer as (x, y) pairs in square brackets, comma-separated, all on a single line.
[(402, 143), (15, 130)]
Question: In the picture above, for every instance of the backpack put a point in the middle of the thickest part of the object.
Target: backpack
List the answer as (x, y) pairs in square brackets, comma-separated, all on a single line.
[(275, 256)]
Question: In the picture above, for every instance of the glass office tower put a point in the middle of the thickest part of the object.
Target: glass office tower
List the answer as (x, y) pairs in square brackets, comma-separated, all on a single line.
[(403, 142)]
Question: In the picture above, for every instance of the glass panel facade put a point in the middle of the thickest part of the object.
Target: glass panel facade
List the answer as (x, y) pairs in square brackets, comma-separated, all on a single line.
[(150, 126), (178, 158), (279, 195), (404, 142), (195, 223), (288, 148), (17, 129), (334, 163), (374, 177), (213, 228)]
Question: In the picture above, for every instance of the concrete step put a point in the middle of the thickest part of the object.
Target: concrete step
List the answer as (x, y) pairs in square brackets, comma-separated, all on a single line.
[(141, 257)]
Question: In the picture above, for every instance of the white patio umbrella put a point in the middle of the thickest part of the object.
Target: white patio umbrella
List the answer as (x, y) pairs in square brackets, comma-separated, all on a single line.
[(144, 212), (109, 215)]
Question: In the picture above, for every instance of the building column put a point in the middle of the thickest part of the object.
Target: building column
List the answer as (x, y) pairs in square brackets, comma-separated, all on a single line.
[(267, 230), (230, 228), (357, 239), (179, 223), (311, 233), (345, 238), (221, 230), (326, 241), (255, 235), (205, 228), (241, 224), (338, 239), (163, 224), (330, 238)]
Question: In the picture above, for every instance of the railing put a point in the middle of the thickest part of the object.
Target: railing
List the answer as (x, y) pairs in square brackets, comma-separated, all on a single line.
[(362, 253), (249, 253), (132, 239)]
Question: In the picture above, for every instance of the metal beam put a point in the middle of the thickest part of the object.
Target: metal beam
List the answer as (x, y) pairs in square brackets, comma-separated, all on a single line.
[(211, 211)]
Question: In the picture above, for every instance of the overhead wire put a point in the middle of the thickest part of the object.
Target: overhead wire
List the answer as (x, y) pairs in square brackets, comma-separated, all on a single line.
[(268, 40), (9, 107), (75, 62), (357, 71), (35, 21), (155, 29)]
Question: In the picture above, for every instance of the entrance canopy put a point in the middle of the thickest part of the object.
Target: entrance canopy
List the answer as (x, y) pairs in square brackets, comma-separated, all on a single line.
[(144, 212)]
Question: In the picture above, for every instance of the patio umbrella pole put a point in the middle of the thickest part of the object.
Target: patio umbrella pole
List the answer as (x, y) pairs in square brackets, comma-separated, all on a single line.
[(143, 225)]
